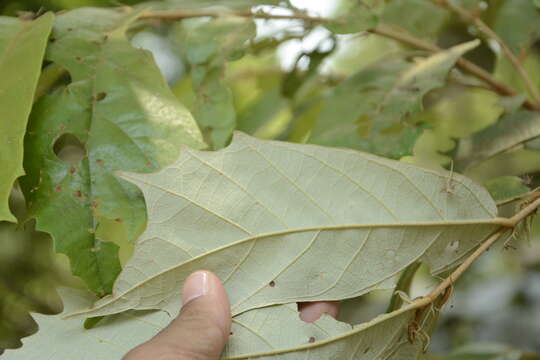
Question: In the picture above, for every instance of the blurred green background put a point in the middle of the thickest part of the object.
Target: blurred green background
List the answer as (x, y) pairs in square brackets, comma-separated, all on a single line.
[(495, 309)]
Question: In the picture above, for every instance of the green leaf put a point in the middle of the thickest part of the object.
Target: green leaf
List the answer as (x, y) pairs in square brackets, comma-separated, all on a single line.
[(214, 108), (22, 47), (369, 111), (208, 46), (509, 131), (255, 334), (518, 24), (117, 114), (205, 4), (281, 208), (506, 72), (355, 16), (425, 21), (505, 188), (267, 116), (27, 280)]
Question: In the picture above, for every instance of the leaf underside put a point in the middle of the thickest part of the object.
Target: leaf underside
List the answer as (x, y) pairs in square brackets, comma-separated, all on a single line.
[(261, 215), (255, 334)]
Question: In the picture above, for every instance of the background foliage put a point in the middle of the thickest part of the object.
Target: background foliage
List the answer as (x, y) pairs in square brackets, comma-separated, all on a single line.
[(358, 81)]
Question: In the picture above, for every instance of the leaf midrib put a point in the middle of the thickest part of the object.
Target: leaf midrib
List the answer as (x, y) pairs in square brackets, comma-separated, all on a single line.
[(493, 221)]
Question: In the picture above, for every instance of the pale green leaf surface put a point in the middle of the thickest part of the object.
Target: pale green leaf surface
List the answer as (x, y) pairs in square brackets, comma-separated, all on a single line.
[(510, 130), (262, 215), (208, 46), (424, 18), (124, 117), (369, 111), (258, 334), (518, 24), (355, 15), (61, 339), (214, 108), (506, 72), (22, 47), (505, 188)]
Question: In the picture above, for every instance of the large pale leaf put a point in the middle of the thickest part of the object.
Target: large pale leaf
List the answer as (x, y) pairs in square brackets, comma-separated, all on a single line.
[(122, 115), (510, 130), (258, 333), (281, 223), (369, 111), (22, 46)]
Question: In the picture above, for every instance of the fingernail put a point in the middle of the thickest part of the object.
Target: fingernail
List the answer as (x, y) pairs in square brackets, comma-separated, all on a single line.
[(196, 285)]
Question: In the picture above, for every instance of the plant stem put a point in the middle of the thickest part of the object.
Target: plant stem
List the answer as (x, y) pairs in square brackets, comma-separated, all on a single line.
[(381, 30), (456, 274), (490, 34), (463, 64), (175, 15)]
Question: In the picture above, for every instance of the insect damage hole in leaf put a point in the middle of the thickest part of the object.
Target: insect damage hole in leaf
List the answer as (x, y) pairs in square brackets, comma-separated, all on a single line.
[(394, 219), (69, 149)]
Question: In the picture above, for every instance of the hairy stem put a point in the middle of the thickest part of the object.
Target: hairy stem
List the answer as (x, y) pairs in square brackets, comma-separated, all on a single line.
[(456, 274), (490, 34)]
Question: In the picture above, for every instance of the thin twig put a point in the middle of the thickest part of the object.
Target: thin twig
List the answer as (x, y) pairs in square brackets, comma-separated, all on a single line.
[(490, 34), (381, 30), (462, 63), (533, 193), (175, 15), (456, 274)]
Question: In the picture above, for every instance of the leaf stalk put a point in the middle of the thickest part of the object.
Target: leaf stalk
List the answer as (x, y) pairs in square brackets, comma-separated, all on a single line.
[(490, 34)]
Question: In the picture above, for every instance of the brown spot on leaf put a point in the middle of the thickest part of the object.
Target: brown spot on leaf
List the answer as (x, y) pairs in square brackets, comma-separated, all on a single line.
[(78, 194), (272, 283), (311, 339), (58, 188), (94, 204), (100, 162), (118, 220), (148, 163), (72, 170), (78, 58), (101, 96)]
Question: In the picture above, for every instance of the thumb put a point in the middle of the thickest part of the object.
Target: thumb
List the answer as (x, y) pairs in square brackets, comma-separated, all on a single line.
[(201, 330)]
